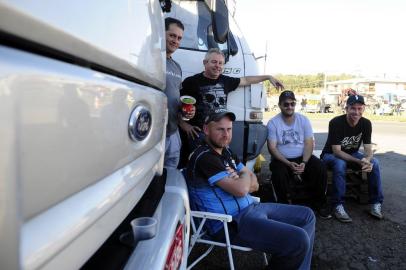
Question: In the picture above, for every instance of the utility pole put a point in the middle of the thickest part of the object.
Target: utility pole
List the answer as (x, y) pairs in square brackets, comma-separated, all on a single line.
[(266, 55)]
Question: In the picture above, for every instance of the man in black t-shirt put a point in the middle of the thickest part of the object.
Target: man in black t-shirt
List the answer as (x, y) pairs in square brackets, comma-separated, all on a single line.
[(210, 89), (218, 182), (345, 135)]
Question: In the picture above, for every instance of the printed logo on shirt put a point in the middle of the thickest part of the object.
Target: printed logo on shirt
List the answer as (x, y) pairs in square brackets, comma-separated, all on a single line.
[(173, 74), (213, 96), (290, 136), (351, 142)]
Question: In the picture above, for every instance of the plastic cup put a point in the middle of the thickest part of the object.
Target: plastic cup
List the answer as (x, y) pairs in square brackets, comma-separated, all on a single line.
[(143, 228)]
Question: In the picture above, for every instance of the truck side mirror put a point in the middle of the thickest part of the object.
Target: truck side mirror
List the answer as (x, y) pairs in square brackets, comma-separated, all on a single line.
[(220, 21), (232, 45), (166, 5)]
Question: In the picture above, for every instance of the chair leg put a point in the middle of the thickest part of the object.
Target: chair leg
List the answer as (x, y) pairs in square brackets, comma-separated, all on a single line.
[(201, 257), (230, 254), (265, 259)]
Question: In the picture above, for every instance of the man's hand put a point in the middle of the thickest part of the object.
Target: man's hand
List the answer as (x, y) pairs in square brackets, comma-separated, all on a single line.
[(191, 131), (302, 167), (366, 165), (191, 113), (275, 82), (296, 168), (232, 173)]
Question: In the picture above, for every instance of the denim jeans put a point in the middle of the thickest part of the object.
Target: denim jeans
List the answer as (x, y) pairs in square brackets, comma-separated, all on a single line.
[(172, 150), (339, 167), (285, 231)]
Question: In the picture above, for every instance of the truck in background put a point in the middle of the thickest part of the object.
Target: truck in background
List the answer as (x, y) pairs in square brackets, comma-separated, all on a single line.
[(82, 124), (210, 24)]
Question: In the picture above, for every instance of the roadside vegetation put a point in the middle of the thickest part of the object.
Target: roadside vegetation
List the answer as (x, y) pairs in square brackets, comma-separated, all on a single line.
[(304, 83)]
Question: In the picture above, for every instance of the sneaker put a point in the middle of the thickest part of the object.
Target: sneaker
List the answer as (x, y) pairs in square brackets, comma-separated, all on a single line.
[(376, 211), (341, 215), (324, 211)]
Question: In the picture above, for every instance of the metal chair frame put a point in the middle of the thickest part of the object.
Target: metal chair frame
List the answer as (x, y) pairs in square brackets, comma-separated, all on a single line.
[(198, 220)]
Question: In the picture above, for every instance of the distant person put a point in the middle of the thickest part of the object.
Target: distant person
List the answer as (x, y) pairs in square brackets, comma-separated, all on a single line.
[(398, 105), (174, 33), (218, 182), (210, 89), (290, 143), (323, 104), (303, 104), (346, 133)]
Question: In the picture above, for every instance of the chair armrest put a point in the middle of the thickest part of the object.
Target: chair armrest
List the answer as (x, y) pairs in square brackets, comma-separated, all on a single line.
[(209, 215)]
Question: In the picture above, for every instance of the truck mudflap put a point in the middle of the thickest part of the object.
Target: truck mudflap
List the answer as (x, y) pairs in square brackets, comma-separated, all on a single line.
[(169, 248), (252, 136)]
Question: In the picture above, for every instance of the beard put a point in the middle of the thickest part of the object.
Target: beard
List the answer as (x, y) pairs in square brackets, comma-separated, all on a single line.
[(217, 144), (287, 113)]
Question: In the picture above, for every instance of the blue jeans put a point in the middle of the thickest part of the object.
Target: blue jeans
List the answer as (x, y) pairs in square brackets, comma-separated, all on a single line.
[(339, 168), (172, 150), (284, 231)]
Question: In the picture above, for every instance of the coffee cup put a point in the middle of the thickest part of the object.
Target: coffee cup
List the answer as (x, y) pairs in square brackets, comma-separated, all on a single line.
[(187, 106)]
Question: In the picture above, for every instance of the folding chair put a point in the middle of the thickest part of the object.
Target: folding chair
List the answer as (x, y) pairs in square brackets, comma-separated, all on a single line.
[(199, 235)]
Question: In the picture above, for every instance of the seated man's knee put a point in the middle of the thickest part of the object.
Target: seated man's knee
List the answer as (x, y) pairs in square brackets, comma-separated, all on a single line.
[(278, 169), (375, 162), (311, 218), (340, 166), (299, 244)]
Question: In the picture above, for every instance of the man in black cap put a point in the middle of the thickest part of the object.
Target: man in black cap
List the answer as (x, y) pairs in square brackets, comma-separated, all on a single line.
[(218, 182), (345, 135), (290, 143)]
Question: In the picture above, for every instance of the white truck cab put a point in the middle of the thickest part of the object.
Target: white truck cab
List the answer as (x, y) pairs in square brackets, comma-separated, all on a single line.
[(82, 127), (209, 24)]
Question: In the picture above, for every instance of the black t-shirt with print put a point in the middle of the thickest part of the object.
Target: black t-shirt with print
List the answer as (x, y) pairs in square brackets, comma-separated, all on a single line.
[(209, 94), (350, 138)]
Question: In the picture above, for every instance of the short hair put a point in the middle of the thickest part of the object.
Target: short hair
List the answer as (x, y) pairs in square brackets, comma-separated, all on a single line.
[(170, 20), (213, 51)]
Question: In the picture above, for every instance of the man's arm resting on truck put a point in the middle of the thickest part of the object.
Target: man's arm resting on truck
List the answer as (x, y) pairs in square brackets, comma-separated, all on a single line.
[(248, 80)]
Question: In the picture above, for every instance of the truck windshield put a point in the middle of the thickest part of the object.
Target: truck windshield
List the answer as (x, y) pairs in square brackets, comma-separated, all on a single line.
[(197, 35)]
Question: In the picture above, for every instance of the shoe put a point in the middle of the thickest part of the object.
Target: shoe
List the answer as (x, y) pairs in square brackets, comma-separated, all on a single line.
[(376, 211), (341, 215), (324, 211)]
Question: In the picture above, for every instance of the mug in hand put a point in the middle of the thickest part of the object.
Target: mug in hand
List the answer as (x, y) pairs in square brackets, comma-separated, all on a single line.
[(187, 105)]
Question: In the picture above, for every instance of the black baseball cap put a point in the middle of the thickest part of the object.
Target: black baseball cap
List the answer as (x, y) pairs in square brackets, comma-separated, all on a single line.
[(287, 94), (355, 99), (217, 114)]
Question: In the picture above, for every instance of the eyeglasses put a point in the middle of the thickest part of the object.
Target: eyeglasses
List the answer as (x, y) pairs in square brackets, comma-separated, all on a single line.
[(289, 104)]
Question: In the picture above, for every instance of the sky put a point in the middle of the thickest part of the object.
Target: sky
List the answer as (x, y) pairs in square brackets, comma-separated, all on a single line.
[(360, 37)]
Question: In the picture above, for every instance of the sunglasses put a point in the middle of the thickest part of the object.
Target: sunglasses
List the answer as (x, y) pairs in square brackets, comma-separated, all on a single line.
[(289, 104)]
